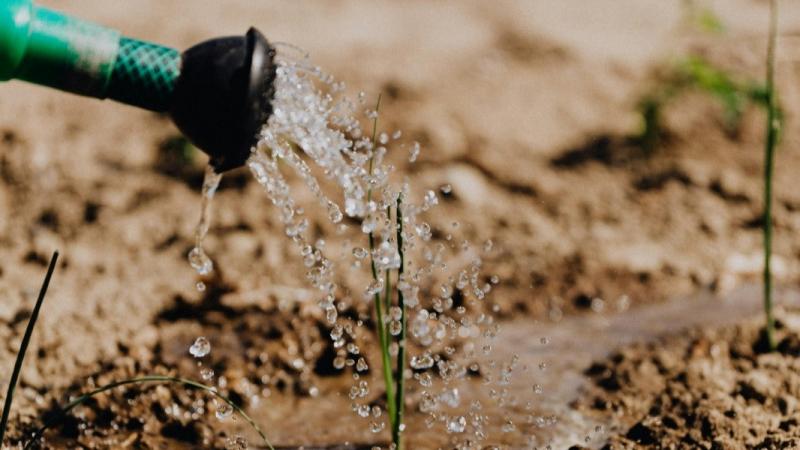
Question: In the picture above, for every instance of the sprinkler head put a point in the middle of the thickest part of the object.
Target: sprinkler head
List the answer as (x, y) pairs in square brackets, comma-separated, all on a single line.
[(223, 96)]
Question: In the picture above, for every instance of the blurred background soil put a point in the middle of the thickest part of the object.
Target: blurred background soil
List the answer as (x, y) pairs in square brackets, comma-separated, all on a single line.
[(527, 108)]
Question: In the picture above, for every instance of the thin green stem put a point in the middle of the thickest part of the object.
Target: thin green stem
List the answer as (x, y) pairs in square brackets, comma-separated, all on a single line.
[(387, 277), (23, 347), (769, 167), (149, 379), (380, 326), (397, 429)]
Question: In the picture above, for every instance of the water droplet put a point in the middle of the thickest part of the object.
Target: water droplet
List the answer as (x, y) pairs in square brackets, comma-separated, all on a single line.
[(374, 287), (429, 200), (206, 373), (338, 362), (236, 443), (200, 348), (224, 411), (386, 257), (331, 314), (396, 313), (425, 379), (456, 424), (450, 397), (415, 149), (424, 231), (377, 427), (334, 213), (200, 261), (423, 361)]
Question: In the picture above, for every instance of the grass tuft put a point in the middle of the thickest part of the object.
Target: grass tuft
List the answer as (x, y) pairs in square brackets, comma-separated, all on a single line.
[(393, 379), (380, 326)]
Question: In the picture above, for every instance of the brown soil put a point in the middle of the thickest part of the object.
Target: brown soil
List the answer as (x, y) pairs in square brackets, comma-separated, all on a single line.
[(525, 108), (712, 389)]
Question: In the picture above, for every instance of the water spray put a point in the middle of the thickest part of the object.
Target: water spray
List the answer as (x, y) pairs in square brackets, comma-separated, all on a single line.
[(218, 92)]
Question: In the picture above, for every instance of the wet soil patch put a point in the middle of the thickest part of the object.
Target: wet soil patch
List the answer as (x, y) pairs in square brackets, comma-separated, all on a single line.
[(712, 389)]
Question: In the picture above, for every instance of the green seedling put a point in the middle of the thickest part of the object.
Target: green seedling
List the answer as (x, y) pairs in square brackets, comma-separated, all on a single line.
[(773, 128), (695, 73), (393, 379)]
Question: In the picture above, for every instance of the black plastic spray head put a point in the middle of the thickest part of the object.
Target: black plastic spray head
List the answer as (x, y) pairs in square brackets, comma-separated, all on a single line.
[(223, 95), (218, 92)]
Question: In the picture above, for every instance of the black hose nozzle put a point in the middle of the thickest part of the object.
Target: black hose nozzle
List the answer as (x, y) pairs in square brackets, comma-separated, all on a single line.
[(223, 96)]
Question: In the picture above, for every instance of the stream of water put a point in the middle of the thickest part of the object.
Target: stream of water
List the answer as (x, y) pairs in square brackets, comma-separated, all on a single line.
[(314, 134)]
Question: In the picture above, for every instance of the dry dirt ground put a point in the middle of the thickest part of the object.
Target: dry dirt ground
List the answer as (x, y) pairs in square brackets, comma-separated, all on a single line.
[(525, 107)]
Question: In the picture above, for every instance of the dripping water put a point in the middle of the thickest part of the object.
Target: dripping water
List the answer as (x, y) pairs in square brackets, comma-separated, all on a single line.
[(198, 258)]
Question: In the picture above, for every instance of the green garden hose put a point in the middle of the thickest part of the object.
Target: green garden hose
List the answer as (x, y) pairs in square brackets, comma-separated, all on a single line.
[(217, 92)]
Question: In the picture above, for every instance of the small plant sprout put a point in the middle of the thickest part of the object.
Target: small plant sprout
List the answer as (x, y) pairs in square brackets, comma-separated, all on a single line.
[(696, 73), (397, 323), (773, 128)]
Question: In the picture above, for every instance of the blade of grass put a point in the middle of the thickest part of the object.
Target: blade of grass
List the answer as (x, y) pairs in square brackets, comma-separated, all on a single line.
[(149, 379), (23, 347), (769, 167), (397, 428)]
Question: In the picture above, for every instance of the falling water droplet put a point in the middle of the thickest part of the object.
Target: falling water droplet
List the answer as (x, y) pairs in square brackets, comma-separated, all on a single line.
[(200, 348), (456, 424), (423, 361), (451, 397), (206, 373), (224, 411), (200, 261), (197, 257), (236, 443)]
